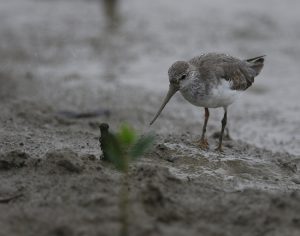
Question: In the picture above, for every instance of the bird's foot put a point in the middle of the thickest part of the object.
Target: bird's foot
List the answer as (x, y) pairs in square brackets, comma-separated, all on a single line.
[(203, 144)]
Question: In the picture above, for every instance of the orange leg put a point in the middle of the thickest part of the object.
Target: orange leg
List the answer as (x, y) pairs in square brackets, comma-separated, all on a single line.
[(203, 141)]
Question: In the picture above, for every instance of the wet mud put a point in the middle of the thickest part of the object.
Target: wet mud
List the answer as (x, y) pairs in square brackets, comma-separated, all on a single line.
[(64, 72)]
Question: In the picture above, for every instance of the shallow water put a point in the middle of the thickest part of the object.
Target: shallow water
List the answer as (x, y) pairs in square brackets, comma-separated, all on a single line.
[(134, 42)]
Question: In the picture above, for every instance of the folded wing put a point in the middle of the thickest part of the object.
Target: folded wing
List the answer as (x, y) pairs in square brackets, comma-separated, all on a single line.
[(241, 74)]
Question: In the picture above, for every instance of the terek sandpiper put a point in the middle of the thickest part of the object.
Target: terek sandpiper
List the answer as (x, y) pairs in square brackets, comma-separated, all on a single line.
[(211, 80)]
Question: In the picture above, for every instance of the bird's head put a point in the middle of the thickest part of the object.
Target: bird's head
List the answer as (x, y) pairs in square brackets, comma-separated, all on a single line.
[(178, 73)]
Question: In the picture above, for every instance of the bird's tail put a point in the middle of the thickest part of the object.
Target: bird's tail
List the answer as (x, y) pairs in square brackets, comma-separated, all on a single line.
[(257, 63)]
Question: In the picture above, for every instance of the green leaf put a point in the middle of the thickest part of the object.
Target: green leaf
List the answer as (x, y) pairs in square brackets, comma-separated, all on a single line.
[(127, 135), (141, 146), (115, 153), (124, 146)]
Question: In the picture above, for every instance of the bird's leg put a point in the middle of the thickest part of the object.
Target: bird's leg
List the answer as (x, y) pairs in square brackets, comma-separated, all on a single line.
[(203, 141), (224, 121), (227, 134)]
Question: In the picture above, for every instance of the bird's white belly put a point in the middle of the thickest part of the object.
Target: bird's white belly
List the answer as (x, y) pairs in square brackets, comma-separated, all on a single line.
[(219, 96)]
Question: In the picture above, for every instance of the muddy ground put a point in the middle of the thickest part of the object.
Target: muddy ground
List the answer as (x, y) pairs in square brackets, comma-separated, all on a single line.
[(66, 68)]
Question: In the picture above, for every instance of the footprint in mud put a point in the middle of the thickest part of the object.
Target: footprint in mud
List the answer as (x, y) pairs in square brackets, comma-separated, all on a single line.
[(13, 160), (63, 161)]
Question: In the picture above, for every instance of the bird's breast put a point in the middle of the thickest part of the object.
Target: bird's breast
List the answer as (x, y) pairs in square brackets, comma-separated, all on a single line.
[(210, 95)]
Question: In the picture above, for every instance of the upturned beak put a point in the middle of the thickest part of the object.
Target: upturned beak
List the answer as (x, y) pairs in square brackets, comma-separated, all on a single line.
[(172, 90)]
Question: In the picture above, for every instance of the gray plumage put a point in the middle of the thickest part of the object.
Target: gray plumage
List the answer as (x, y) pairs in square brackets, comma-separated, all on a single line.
[(240, 73), (212, 80)]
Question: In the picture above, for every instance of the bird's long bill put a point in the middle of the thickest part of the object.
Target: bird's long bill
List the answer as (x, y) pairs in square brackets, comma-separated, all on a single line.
[(171, 92)]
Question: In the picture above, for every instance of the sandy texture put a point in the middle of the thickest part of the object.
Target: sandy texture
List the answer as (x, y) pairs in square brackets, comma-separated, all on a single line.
[(67, 66), (174, 190)]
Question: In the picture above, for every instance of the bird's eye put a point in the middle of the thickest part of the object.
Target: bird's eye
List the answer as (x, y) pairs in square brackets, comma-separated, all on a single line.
[(182, 77)]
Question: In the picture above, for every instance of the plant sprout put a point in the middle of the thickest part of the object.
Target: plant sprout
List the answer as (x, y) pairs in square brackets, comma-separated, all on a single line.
[(121, 149)]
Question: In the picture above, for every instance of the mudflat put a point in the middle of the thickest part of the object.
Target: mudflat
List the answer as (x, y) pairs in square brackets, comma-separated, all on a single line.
[(67, 67)]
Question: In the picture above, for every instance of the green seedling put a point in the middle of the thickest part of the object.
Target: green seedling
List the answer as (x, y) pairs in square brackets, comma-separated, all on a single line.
[(120, 149)]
